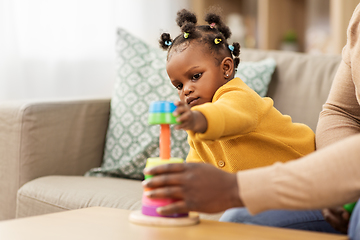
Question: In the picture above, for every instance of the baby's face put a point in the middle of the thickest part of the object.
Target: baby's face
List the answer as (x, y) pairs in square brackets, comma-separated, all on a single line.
[(195, 74)]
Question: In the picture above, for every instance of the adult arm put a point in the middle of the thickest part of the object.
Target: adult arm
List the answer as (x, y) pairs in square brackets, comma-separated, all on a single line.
[(340, 116), (326, 178), (339, 119)]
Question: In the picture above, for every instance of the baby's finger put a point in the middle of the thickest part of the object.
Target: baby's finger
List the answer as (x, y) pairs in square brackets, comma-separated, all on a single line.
[(184, 126), (180, 110), (184, 117), (178, 103)]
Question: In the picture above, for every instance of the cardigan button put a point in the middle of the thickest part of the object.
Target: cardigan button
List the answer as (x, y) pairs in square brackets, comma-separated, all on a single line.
[(221, 163)]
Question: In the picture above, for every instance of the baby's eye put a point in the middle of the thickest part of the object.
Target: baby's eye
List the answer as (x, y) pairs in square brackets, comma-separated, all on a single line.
[(179, 86), (196, 76)]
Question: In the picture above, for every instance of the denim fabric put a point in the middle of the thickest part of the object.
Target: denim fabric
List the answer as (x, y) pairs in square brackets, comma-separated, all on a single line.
[(301, 220), (354, 225)]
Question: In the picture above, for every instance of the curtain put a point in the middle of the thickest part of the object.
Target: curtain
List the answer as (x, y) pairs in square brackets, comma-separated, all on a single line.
[(55, 49)]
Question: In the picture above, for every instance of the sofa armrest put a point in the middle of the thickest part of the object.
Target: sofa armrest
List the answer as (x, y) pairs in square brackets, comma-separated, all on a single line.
[(48, 138)]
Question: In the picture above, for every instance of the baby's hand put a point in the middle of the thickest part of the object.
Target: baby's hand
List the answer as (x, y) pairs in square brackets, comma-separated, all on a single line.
[(184, 116), (189, 120)]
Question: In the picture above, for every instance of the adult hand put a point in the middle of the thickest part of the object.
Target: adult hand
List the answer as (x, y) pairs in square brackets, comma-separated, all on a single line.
[(338, 218), (198, 186)]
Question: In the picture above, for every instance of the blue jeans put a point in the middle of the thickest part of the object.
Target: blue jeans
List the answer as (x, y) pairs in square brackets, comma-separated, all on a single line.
[(354, 225), (302, 220)]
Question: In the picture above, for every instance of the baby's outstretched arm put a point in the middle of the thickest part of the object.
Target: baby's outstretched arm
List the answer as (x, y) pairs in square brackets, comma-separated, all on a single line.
[(189, 120)]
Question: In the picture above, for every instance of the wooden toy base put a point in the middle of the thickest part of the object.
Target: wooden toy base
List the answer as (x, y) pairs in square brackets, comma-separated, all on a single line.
[(139, 218)]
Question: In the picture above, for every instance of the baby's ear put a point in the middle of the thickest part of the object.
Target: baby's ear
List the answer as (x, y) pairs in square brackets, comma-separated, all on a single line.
[(227, 66)]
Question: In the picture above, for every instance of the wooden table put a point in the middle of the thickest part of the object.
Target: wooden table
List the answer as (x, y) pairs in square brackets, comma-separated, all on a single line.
[(110, 224)]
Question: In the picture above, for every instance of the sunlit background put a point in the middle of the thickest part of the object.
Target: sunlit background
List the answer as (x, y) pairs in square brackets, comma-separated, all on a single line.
[(54, 49)]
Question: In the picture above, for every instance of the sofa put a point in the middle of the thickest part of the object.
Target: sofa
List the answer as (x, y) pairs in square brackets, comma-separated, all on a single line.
[(46, 147)]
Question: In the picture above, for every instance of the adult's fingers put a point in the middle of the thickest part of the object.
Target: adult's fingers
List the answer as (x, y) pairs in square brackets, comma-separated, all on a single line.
[(330, 216), (176, 207), (173, 192), (337, 218), (165, 168), (163, 180), (345, 215)]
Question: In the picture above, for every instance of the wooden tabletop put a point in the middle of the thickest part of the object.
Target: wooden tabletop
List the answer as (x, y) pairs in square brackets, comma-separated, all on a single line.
[(110, 224)]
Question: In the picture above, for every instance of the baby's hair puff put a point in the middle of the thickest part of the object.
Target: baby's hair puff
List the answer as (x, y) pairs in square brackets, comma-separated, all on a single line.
[(186, 21), (165, 41), (215, 21), (214, 35)]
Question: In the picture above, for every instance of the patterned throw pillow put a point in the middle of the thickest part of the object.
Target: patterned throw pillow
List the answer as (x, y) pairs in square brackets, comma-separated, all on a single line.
[(257, 75), (142, 78)]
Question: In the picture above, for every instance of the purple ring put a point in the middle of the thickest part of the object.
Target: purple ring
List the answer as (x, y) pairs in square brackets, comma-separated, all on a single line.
[(151, 211)]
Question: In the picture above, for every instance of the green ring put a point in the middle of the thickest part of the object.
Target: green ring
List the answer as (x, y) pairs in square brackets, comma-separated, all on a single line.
[(161, 118)]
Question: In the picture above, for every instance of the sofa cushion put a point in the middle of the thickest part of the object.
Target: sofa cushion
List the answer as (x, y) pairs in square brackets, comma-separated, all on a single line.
[(59, 193), (141, 79), (301, 82)]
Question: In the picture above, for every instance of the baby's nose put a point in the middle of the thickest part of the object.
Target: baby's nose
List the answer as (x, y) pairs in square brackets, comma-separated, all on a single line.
[(188, 89)]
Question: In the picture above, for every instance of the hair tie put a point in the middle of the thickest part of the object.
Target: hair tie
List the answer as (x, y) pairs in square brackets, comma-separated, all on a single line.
[(231, 47), (217, 40), (186, 34), (212, 25), (168, 43)]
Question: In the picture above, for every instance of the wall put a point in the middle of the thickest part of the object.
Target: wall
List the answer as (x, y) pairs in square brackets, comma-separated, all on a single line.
[(66, 48)]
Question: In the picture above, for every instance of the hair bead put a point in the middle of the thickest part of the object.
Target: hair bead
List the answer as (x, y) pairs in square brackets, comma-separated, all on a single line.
[(212, 25), (217, 40), (168, 43), (186, 34), (231, 47)]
